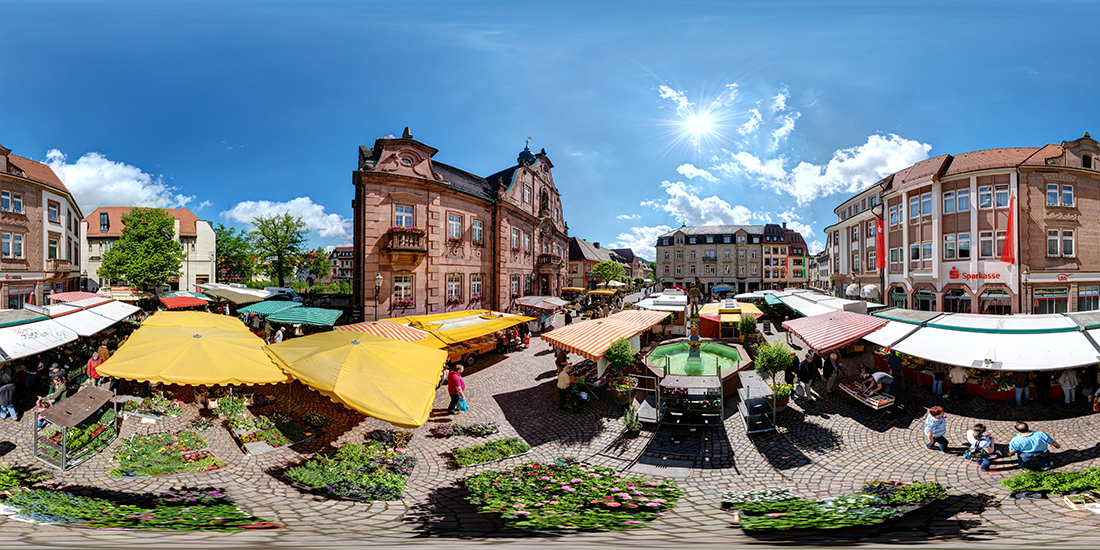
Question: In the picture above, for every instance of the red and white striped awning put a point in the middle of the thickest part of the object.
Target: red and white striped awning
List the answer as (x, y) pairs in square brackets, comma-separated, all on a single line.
[(386, 329), (833, 330), (645, 317), (75, 296), (591, 339)]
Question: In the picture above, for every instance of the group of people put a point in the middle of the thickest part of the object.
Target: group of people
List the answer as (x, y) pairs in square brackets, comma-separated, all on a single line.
[(1031, 447), (1087, 379), (812, 368)]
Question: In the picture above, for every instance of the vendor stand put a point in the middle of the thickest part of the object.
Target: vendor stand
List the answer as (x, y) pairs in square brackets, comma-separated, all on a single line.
[(77, 428), (298, 317), (465, 335), (860, 392)]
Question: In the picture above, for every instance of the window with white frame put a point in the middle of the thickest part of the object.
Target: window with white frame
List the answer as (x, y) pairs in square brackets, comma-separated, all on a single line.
[(710, 240), (527, 194), (1088, 298), (1001, 196), (914, 209), (679, 269), (1067, 243), (53, 211), (741, 253), (963, 245), (926, 251), (1052, 194), (402, 287), (1067, 195), (475, 285), (741, 239), (871, 260), (740, 270), (870, 229), (454, 286), (726, 239), (855, 262), (708, 269), (962, 200), (403, 215), (914, 252), (666, 270), (52, 249), (894, 255), (926, 204), (5, 245), (949, 247), (691, 269), (679, 254), (726, 253), (526, 242), (985, 197), (17, 245), (754, 254), (1000, 244), (691, 240), (515, 285), (5, 200), (515, 239), (666, 254), (855, 233), (17, 206), (893, 215), (478, 231), (454, 226), (949, 202), (985, 244)]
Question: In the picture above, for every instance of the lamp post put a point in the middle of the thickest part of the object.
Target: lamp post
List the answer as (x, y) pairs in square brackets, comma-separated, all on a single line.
[(84, 280), (377, 290), (1024, 300)]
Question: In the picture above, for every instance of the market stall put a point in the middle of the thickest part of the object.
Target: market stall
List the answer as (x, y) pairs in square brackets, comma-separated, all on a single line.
[(720, 319), (181, 302), (833, 330), (386, 329), (672, 301), (591, 339), (465, 334), (77, 428), (390, 380), (298, 317), (863, 395)]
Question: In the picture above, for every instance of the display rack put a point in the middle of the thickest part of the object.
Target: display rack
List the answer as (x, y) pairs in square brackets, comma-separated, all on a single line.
[(860, 393), (691, 400)]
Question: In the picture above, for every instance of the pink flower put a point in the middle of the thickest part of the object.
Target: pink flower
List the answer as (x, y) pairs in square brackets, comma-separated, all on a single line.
[(652, 504), (575, 480), (612, 504), (632, 523), (517, 506), (659, 501), (552, 502), (496, 483), (568, 489)]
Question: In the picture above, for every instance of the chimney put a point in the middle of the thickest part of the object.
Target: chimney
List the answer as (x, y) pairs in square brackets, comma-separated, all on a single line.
[(784, 225), (597, 245)]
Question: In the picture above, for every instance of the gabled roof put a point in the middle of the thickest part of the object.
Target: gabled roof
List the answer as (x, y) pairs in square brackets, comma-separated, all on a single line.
[(38, 172), (920, 172), (986, 159), (626, 253), (464, 181), (503, 177), (114, 214), (716, 230), (580, 249)]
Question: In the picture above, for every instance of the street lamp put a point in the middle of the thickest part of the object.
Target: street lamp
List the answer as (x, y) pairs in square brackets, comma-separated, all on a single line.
[(377, 290), (1024, 300)]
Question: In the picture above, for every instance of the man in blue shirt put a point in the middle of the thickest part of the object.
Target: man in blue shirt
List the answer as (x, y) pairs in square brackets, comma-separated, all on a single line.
[(1032, 448), (879, 382), (895, 370)]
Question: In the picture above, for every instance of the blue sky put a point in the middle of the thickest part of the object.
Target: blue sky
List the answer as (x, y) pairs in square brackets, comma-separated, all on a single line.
[(655, 114)]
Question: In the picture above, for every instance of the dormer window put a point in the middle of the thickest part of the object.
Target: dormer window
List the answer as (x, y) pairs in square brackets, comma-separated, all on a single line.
[(406, 161), (1086, 161)]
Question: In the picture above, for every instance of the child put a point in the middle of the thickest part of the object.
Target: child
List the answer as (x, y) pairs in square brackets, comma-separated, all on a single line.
[(43, 406), (981, 447)]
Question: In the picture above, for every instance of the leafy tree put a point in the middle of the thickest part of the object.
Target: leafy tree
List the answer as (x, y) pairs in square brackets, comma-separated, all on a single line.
[(772, 358), (746, 326), (317, 263), (638, 281), (279, 240), (608, 271), (148, 254), (619, 355), (236, 259)]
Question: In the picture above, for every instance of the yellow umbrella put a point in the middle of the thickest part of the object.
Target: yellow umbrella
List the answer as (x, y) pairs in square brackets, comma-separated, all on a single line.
[(193, 319), (193, 355), (388, 379)]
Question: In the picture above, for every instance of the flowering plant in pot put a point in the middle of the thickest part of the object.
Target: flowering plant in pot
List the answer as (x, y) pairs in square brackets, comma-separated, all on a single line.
[(403, 302), (405, 229), (475, 298), (478, 243), (454, 240), (454, 300)]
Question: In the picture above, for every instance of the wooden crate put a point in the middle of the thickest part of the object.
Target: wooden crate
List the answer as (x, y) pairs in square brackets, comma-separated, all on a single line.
[(1078, 502)]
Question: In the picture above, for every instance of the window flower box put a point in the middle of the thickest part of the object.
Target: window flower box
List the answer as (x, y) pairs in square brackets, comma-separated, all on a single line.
[(475, 298), (478, 244), (454, 300), (515, 295), (454, 240), (409, 230), (515, 249), (403, 302)]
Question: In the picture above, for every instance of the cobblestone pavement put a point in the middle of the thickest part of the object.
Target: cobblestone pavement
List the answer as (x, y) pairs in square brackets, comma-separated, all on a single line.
[(827, 447)]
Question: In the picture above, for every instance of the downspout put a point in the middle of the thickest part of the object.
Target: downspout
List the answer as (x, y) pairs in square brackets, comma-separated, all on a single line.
[(495, 270)]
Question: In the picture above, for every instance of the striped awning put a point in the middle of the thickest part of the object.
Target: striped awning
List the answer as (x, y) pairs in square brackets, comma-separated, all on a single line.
[(182, 301), (837, 329), (267, 308), (385, 329), (591, 339), (306, 316), (644, 317), (73, 296), (184, 293)]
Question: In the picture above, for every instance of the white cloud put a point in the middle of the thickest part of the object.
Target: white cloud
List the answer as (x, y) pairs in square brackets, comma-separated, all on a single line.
[(849, 170), (642, 240), (752, 124), (792, 223), (676, 96), (96, 181), (204, 204), (779, 135), (815, 246), (314, 216), (629, 216), (690, 171), (690, 209), (779, 102)]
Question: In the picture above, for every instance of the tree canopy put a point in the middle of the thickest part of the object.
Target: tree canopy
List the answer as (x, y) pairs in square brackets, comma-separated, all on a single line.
[(278, 240), (148, 254), (608, 271), (236, 259), (317, 263)]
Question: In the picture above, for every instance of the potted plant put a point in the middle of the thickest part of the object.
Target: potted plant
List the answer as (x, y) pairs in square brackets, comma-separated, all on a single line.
[(619, 356), (772, 358), (782, 393), (746, 328), (631, 422)]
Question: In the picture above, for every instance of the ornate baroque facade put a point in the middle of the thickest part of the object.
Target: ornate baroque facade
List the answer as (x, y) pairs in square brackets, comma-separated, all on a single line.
[(444, 239)]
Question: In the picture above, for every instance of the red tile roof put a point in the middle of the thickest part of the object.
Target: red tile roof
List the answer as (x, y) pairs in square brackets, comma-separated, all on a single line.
[(114, 215), (920, 172), (1046, 152), (988, 158), (38, 172)]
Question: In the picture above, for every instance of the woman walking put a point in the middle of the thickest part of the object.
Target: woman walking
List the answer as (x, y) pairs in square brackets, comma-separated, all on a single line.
[(456, 386), (982, 448), (1068, 381)]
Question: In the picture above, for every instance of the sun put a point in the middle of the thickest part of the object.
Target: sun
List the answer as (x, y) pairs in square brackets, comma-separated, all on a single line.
[(699, 125)]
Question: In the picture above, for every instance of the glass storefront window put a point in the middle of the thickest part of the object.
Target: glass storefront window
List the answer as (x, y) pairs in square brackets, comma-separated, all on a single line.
[(956, 301), (1050, 300), (898, 298), (924, 300), (1088, 298), (995, 302)]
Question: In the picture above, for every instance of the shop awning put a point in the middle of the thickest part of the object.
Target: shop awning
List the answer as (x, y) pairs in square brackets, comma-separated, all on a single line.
[(548, 303), (591, 339), (193, 319), (834, 329), (129, 294), (14, 317), (572, 289), (1012, 352), (183, 293), (722, 288), (32, 338), (390, 330), (805, 307), (458, 326), (232, 296), (647, 319), (93, 300), (869, 291), (891, 332), (603, 292), (73, 296), (84, 322), (751, 296), (183, 301), (115, 311), (210, 354), (852, 290), (771, 300), (268, 307), (387, 379), (306, 316)]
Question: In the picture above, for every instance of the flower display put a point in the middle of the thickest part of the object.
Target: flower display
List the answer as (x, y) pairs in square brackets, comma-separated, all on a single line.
[(454, 300), (403, 302), (454, 240), (405, 229), (475, 298)]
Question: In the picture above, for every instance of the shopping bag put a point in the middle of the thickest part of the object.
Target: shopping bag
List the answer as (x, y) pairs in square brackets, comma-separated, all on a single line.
[(462, 405), (799, 391), (527, 340)]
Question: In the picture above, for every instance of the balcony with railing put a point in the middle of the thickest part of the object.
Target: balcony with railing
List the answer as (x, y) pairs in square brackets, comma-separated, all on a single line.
[(405, 244), (58, 266)]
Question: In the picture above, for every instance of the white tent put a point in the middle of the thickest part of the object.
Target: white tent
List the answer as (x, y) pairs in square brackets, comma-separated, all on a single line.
[(31, 338), (115, 311)]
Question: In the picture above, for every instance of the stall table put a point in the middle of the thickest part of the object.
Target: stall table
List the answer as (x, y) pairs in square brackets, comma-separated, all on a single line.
[(873, 400)]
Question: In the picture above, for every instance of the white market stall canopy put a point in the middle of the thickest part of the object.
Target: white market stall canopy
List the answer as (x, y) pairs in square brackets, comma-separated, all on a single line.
[(1002, 342), (809, 303), (115, 311), (32, 338), (78, 320)]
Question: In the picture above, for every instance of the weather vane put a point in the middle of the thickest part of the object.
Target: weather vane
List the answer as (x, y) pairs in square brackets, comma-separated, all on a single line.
[(527, 142)]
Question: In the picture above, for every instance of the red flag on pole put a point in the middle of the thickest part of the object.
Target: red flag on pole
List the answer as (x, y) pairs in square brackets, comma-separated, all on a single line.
[(1008, 255), (880, 244)]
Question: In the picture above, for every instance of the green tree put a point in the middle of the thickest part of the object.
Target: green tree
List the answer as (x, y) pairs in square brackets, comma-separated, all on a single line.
[(148, 254), (236, 259), (317, 263), (278, 241), (608, 271), (772, 358)]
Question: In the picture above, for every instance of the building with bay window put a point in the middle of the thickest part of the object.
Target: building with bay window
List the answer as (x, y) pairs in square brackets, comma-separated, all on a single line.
[(443, 239), (949, 219), (39, 233)]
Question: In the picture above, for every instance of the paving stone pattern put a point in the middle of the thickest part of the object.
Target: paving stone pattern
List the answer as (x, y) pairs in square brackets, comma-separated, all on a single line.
[(825, 447)]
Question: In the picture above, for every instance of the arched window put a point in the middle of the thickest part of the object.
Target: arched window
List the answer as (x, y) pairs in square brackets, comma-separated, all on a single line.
[(956, 300), (898, 298), (544, 202), (924, 300)]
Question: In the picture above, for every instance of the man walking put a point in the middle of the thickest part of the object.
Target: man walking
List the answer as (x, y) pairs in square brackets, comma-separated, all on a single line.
[(831, 370), (958, 377), (895, 370), (1032, 448)]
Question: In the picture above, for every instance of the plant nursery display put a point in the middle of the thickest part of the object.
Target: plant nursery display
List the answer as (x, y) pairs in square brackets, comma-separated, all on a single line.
[(496, 449), (481, 429), (80, 442), (1058, 482), (177, 510), (15, 477), (566, 496), (356, 472), (155, 405), (164, 454), (393, 439)]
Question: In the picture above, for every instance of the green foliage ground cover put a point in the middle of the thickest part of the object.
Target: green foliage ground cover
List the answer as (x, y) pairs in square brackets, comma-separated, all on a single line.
[(163, 454), (570, 496), (779, 509), (1060, 482), (358, 472), (493, 450)]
